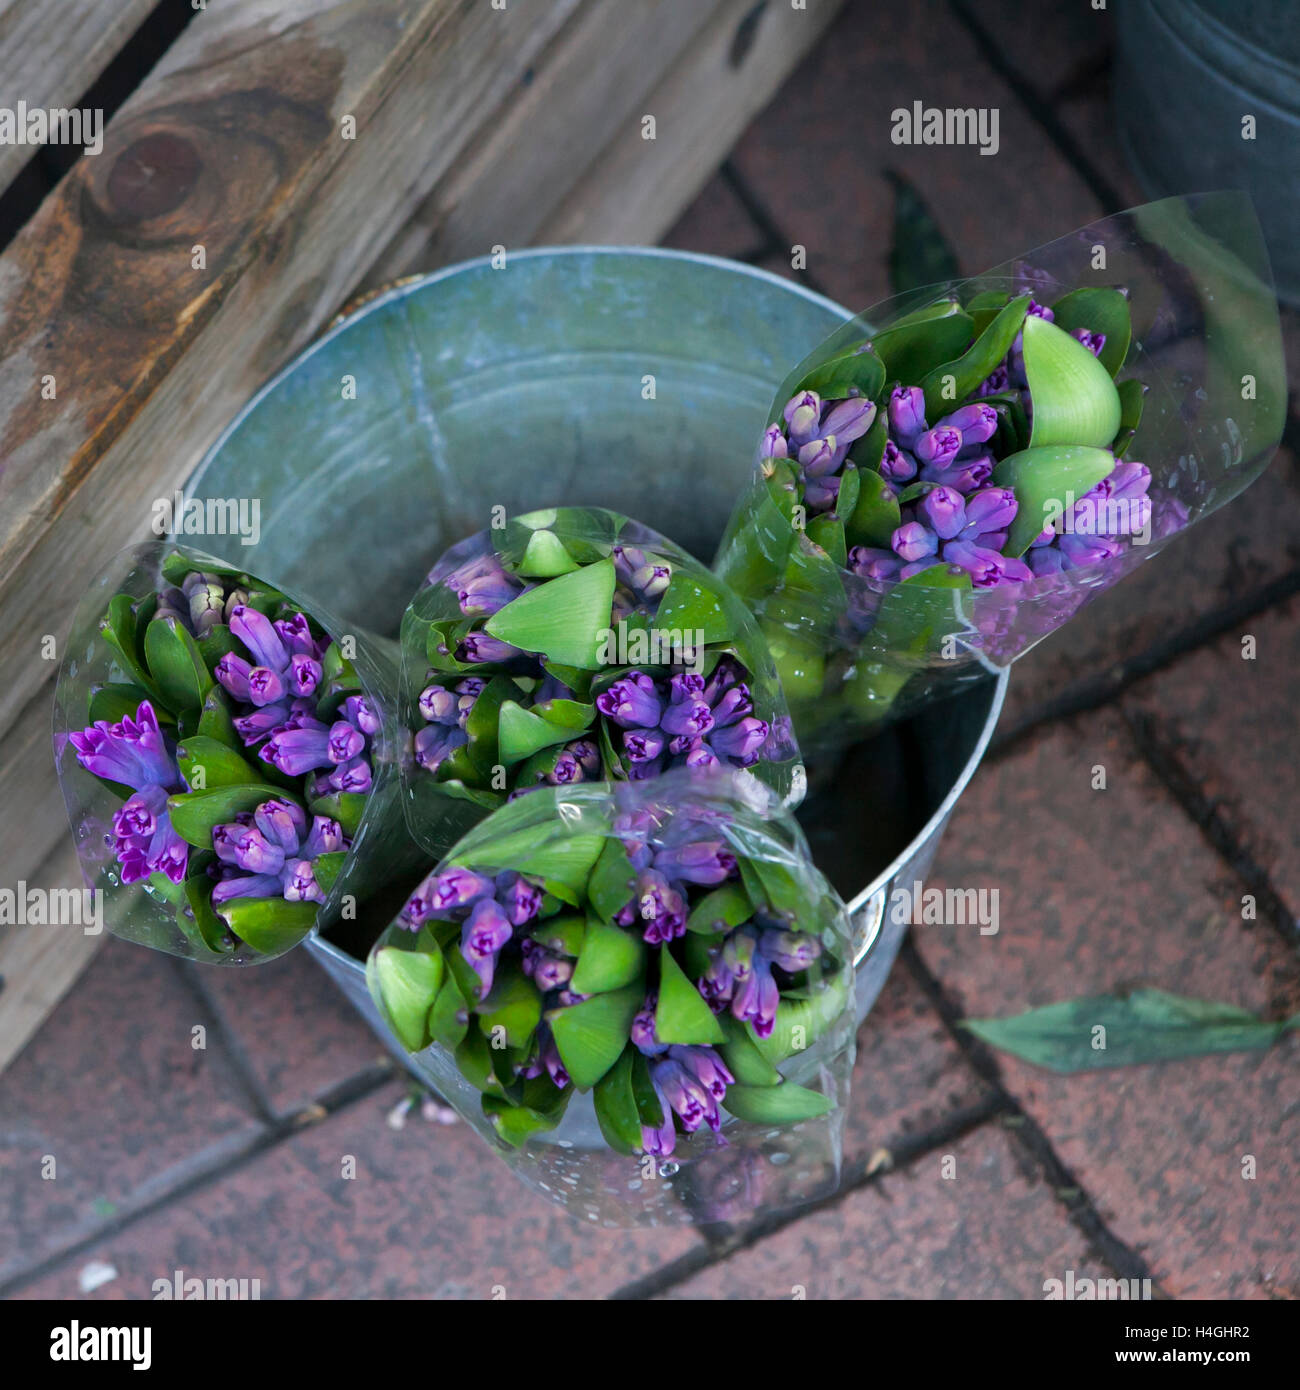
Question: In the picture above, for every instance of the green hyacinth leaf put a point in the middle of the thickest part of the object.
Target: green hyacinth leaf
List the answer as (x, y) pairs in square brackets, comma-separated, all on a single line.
[(744, 1060), (407, 983), (564, 935), (876, 516), (119, 627), (197, 916), (1074, 398), (217, 721), (984, 307), (1041, 478), (545, 557), (611, 958), (207, 762), (720, 910), (914, 347), (268, 925), (590, 1036), (616, 1107), (326, 869), (449, 1015), (949, 384), (514, 1006), (828, 532), (345, 807), (176, 665), (612, 880), (195, 814), (1099, 310), (691, 604), (565, 619), (1131, 395), (522, 732), (516, 1124), (649, 1107), (776, 1105), (682, 1016), (800, 1022)]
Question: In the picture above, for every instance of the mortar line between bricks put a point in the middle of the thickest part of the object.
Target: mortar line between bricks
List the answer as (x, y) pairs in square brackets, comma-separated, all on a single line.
[(720, 1244), (353, 1090), (1090, 694), (1161, 756), (218, 1022), (1123, 1261), (1106, 193), (778, 242)]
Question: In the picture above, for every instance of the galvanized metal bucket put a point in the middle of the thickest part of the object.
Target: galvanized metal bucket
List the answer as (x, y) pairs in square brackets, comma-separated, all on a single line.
[(630, 378)]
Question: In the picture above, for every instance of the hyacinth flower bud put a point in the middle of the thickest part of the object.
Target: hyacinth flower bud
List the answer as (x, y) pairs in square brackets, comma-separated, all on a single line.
[(644, 745), (873, 563), (907, 414), (943, 511), (1048, 560), (773, 444), (705, 861), (793, 951), (1087, 550), (997, 381), (849, 420), (1129, 479), (632, 702), (658, 907), (819, 457), (206, 601), (977, 424), (521, 900), (1094, 342), (992, 509), (802, 414), (821, 494), (479, 647), (897, 465), (962, 475), (986, 567), (913, 542), (434, 744), (938, 447)]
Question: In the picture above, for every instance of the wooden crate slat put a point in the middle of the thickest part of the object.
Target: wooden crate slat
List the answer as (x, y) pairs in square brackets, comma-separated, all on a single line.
[(52, 51)]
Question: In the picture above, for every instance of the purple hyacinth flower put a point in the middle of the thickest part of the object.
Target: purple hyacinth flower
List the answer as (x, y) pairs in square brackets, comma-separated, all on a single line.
[(802, 414), (990, 509), (942, 509), (486, 931), (773, 444), (756, 997), (897, 465), (914, 542), (873, 563), (692, 1080), (259, 635), (702, 861), (819, 457), (245, 847), (132, 752), (479, 648), (435, 743), (997, 381), (632, 702), (849, 420), (986, 567), (938, 447), (977, 424), (907, 414), (1086, 550), (1047, 560), (456, 887), (482, 587), (962, 475), (1094, 342), (644, 745), (659, 907), (821, 494), (793, 951), (741, 742), (299, 749), (520, 899), (687, 717)]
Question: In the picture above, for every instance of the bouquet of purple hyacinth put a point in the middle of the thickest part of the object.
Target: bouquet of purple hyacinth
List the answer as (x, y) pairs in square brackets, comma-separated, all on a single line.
[(238, 742), (664, 949), (573, 646), (947, 479)]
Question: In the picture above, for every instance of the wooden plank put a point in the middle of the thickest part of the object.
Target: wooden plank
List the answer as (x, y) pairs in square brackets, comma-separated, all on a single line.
[(39, 964), (636, 189), (51, 52)]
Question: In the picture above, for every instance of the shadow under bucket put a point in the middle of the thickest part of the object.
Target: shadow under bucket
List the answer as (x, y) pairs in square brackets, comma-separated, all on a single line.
[(632, 379)]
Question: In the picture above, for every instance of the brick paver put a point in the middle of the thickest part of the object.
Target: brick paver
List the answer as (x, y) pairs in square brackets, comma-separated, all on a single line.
[(429, 1214), (112, 1090), (1234, 722), (973, 1220), (1105, 889)]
